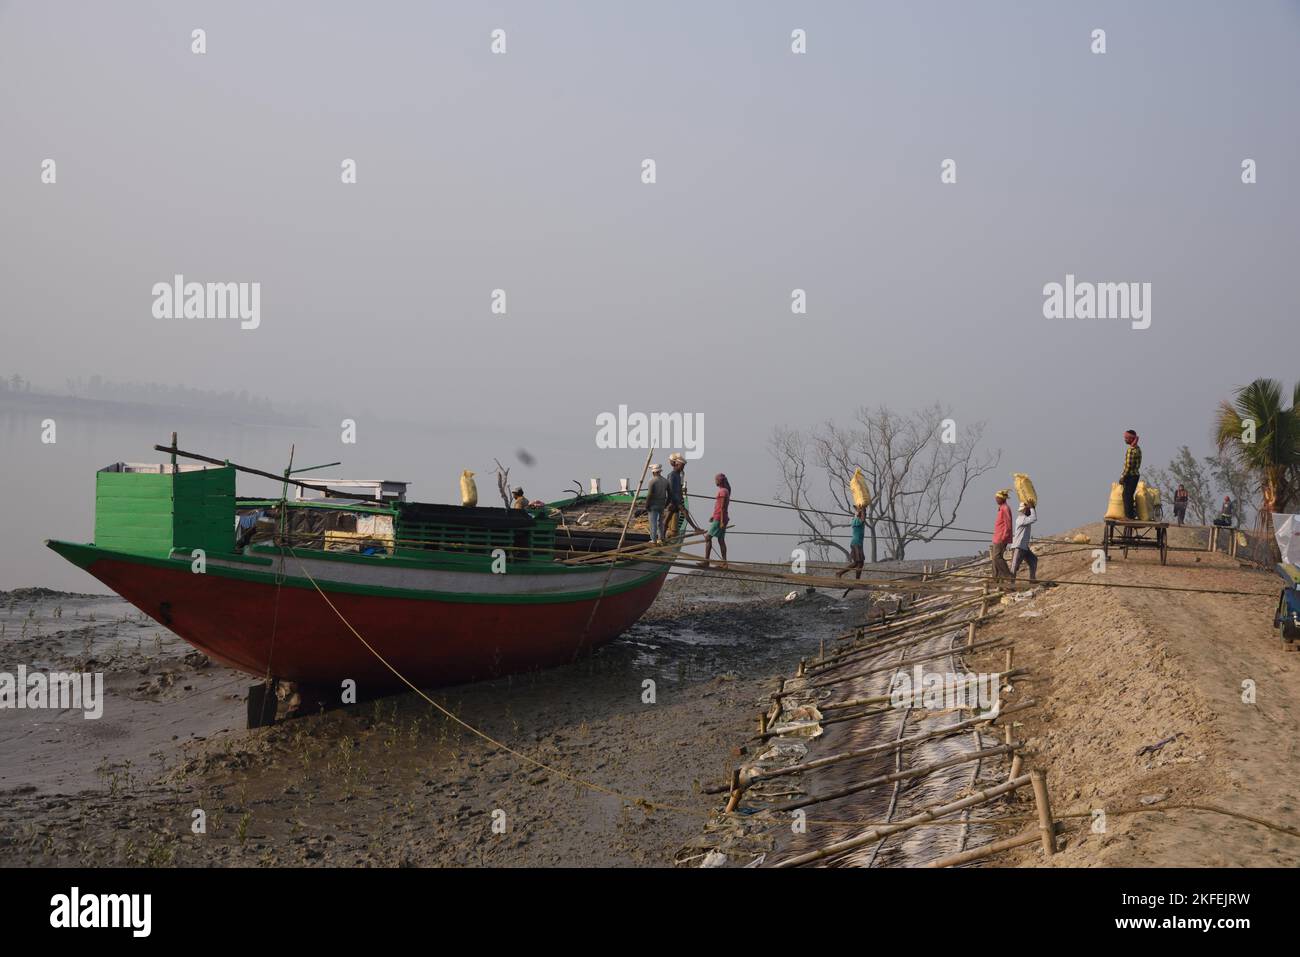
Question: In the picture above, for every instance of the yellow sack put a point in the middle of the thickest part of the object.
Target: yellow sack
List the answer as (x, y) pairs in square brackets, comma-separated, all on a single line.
[(1025, 489), (1116, 507), (1142, 502), (858, 486), (1153, 495), (468, 490)]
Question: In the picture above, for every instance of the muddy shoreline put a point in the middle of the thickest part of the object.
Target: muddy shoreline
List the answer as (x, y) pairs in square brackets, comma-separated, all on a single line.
[(392, 782)]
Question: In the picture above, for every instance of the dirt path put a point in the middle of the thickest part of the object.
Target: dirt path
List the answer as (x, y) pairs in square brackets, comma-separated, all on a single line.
[(1123, 670)]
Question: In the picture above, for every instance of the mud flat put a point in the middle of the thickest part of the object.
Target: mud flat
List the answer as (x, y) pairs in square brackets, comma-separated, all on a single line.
[(391, 782)]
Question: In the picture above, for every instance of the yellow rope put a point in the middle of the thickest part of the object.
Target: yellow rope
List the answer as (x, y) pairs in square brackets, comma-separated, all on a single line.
[(591, 785), (658, 805)]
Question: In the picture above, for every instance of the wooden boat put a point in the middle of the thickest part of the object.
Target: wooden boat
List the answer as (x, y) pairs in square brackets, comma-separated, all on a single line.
[(443, 594)]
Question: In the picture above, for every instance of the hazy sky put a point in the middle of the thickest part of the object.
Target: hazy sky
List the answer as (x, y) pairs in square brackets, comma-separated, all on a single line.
[(775, 171)]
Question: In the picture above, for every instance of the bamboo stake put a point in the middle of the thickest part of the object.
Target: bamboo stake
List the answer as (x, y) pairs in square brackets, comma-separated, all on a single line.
[(876, 833), (966, 857), (735, 791), (1045, 826)]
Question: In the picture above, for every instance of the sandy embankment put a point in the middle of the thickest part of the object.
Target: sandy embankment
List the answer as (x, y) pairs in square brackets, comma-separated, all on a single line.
[(1119, 670)]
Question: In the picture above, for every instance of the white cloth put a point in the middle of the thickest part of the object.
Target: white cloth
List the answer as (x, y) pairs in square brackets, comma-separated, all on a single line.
[(1020, 538), (1287, 530)]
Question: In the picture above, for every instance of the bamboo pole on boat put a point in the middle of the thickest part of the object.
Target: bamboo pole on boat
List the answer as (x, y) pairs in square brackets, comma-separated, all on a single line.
[(631, 506), (241, 468)]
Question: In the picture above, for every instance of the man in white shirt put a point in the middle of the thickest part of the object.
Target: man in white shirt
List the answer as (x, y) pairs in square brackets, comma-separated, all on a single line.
[(1020, 543)]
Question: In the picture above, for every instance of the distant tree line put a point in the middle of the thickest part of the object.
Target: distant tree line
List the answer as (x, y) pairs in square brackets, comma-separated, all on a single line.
[(1206, 480), (154, 393), (1257, 435)]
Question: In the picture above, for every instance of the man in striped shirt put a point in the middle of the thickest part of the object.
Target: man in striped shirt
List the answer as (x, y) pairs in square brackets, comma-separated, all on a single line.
[(1132, 469)]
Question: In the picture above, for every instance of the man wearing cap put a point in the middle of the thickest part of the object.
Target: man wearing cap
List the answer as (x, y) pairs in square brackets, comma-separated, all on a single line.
[(1132, 468), (656, 499), (518, 501), (677, 496), (1001, 535)]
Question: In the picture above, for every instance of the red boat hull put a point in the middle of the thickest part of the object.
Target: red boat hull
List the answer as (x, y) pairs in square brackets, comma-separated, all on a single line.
[(292, 633)]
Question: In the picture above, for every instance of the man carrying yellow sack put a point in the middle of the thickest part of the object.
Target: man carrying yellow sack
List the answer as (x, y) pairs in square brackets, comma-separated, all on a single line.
[(1020, 544)]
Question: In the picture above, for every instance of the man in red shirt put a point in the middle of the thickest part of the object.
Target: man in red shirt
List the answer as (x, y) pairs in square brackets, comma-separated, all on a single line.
[(718, 521), (1001, 535)]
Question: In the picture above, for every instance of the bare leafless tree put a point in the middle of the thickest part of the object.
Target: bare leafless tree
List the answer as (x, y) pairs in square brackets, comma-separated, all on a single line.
[(917, 466)]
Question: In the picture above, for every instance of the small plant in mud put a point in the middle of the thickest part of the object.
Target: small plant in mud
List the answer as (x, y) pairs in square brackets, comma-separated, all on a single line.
[(160, 852), (241, 831)]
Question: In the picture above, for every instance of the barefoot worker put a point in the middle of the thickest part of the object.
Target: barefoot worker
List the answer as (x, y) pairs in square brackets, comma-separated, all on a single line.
[(656, 500), (856, 536), (1001, 535), (718, 521), (677, 496), (1132, 468), (1020, 543)]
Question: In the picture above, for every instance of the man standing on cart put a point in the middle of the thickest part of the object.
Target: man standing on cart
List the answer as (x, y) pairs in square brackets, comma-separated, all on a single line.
[(1132, 469)]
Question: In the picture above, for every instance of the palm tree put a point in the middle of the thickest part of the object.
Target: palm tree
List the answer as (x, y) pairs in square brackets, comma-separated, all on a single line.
[(1273, 458)]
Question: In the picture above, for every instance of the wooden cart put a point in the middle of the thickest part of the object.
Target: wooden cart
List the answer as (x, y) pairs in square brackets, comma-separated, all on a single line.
[(1135, 534)]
